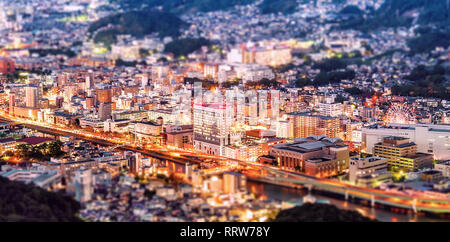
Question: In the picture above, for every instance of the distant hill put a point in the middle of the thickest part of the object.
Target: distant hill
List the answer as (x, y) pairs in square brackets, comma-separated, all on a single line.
[(136, 23), (319, 213), (426, 82), (184, 6), (394, 13), (275, 6), (433, 17), (351, 9), (191, 6), (20, 202)]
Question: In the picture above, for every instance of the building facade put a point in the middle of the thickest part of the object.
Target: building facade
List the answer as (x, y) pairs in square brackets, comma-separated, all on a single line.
[(306, 124), (369, 171), (402, 154), (212, 127), (318, 155), (429, 138)]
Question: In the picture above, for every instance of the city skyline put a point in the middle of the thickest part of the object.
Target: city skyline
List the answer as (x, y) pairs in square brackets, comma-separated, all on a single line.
[(225, 111)]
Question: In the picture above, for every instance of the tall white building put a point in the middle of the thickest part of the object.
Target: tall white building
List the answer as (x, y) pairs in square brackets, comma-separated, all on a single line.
[(429, 138), (26, 95), (284, 129), (268, 105), (89, 81), (32, 96), (212, 127), (83, 185)]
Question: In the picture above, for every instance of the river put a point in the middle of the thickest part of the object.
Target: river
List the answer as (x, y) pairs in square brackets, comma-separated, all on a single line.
[(295, 196)]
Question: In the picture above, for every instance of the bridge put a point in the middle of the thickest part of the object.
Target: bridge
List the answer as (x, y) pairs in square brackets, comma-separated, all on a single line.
[(373, 196)]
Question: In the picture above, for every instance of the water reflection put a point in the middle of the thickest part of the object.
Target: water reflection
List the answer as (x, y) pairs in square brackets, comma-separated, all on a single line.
[(292, 195)]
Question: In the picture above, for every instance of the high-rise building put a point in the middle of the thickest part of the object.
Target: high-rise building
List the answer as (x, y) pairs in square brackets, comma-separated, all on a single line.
[(104, 95), (26, 95), (59, 101), (62, 79), (213, 184), (268, 105), (212, 127), (90, 102), (32, 96), (69, 91), (134, 163), (144, 80), (306, 124), (89, 81), (274, 104), (104, 111), (12, 102)]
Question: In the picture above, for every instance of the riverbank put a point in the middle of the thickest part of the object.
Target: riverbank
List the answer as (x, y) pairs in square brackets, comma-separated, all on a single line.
[(295, 195)]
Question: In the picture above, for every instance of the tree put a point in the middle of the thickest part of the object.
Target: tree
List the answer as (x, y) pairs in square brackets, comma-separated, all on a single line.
[(319, 213), (340, 99), (276, 6), (120, 62), (135, 23), (234, 82), (351, 9), (23, 150), (20, 202), (332, 64), (264, 83), (301, 82), (183, 47), (8, 153), (325, 78), (426, 82), (149, 194), (353, 91), (39, 152)]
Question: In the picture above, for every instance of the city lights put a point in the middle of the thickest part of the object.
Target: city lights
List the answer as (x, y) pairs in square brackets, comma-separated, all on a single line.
[(238, 111)]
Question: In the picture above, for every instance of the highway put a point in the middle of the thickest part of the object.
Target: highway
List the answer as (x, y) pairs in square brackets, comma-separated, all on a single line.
[(274, 174), (96, 138)]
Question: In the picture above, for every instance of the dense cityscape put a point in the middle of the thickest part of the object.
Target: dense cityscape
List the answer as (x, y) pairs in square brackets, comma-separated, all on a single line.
[(225, 110)]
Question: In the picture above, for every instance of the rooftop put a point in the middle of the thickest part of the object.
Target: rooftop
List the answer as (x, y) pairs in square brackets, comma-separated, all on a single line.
[(318, 160), (369, 159), (7, 140), (310, 145), (35, 140)]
